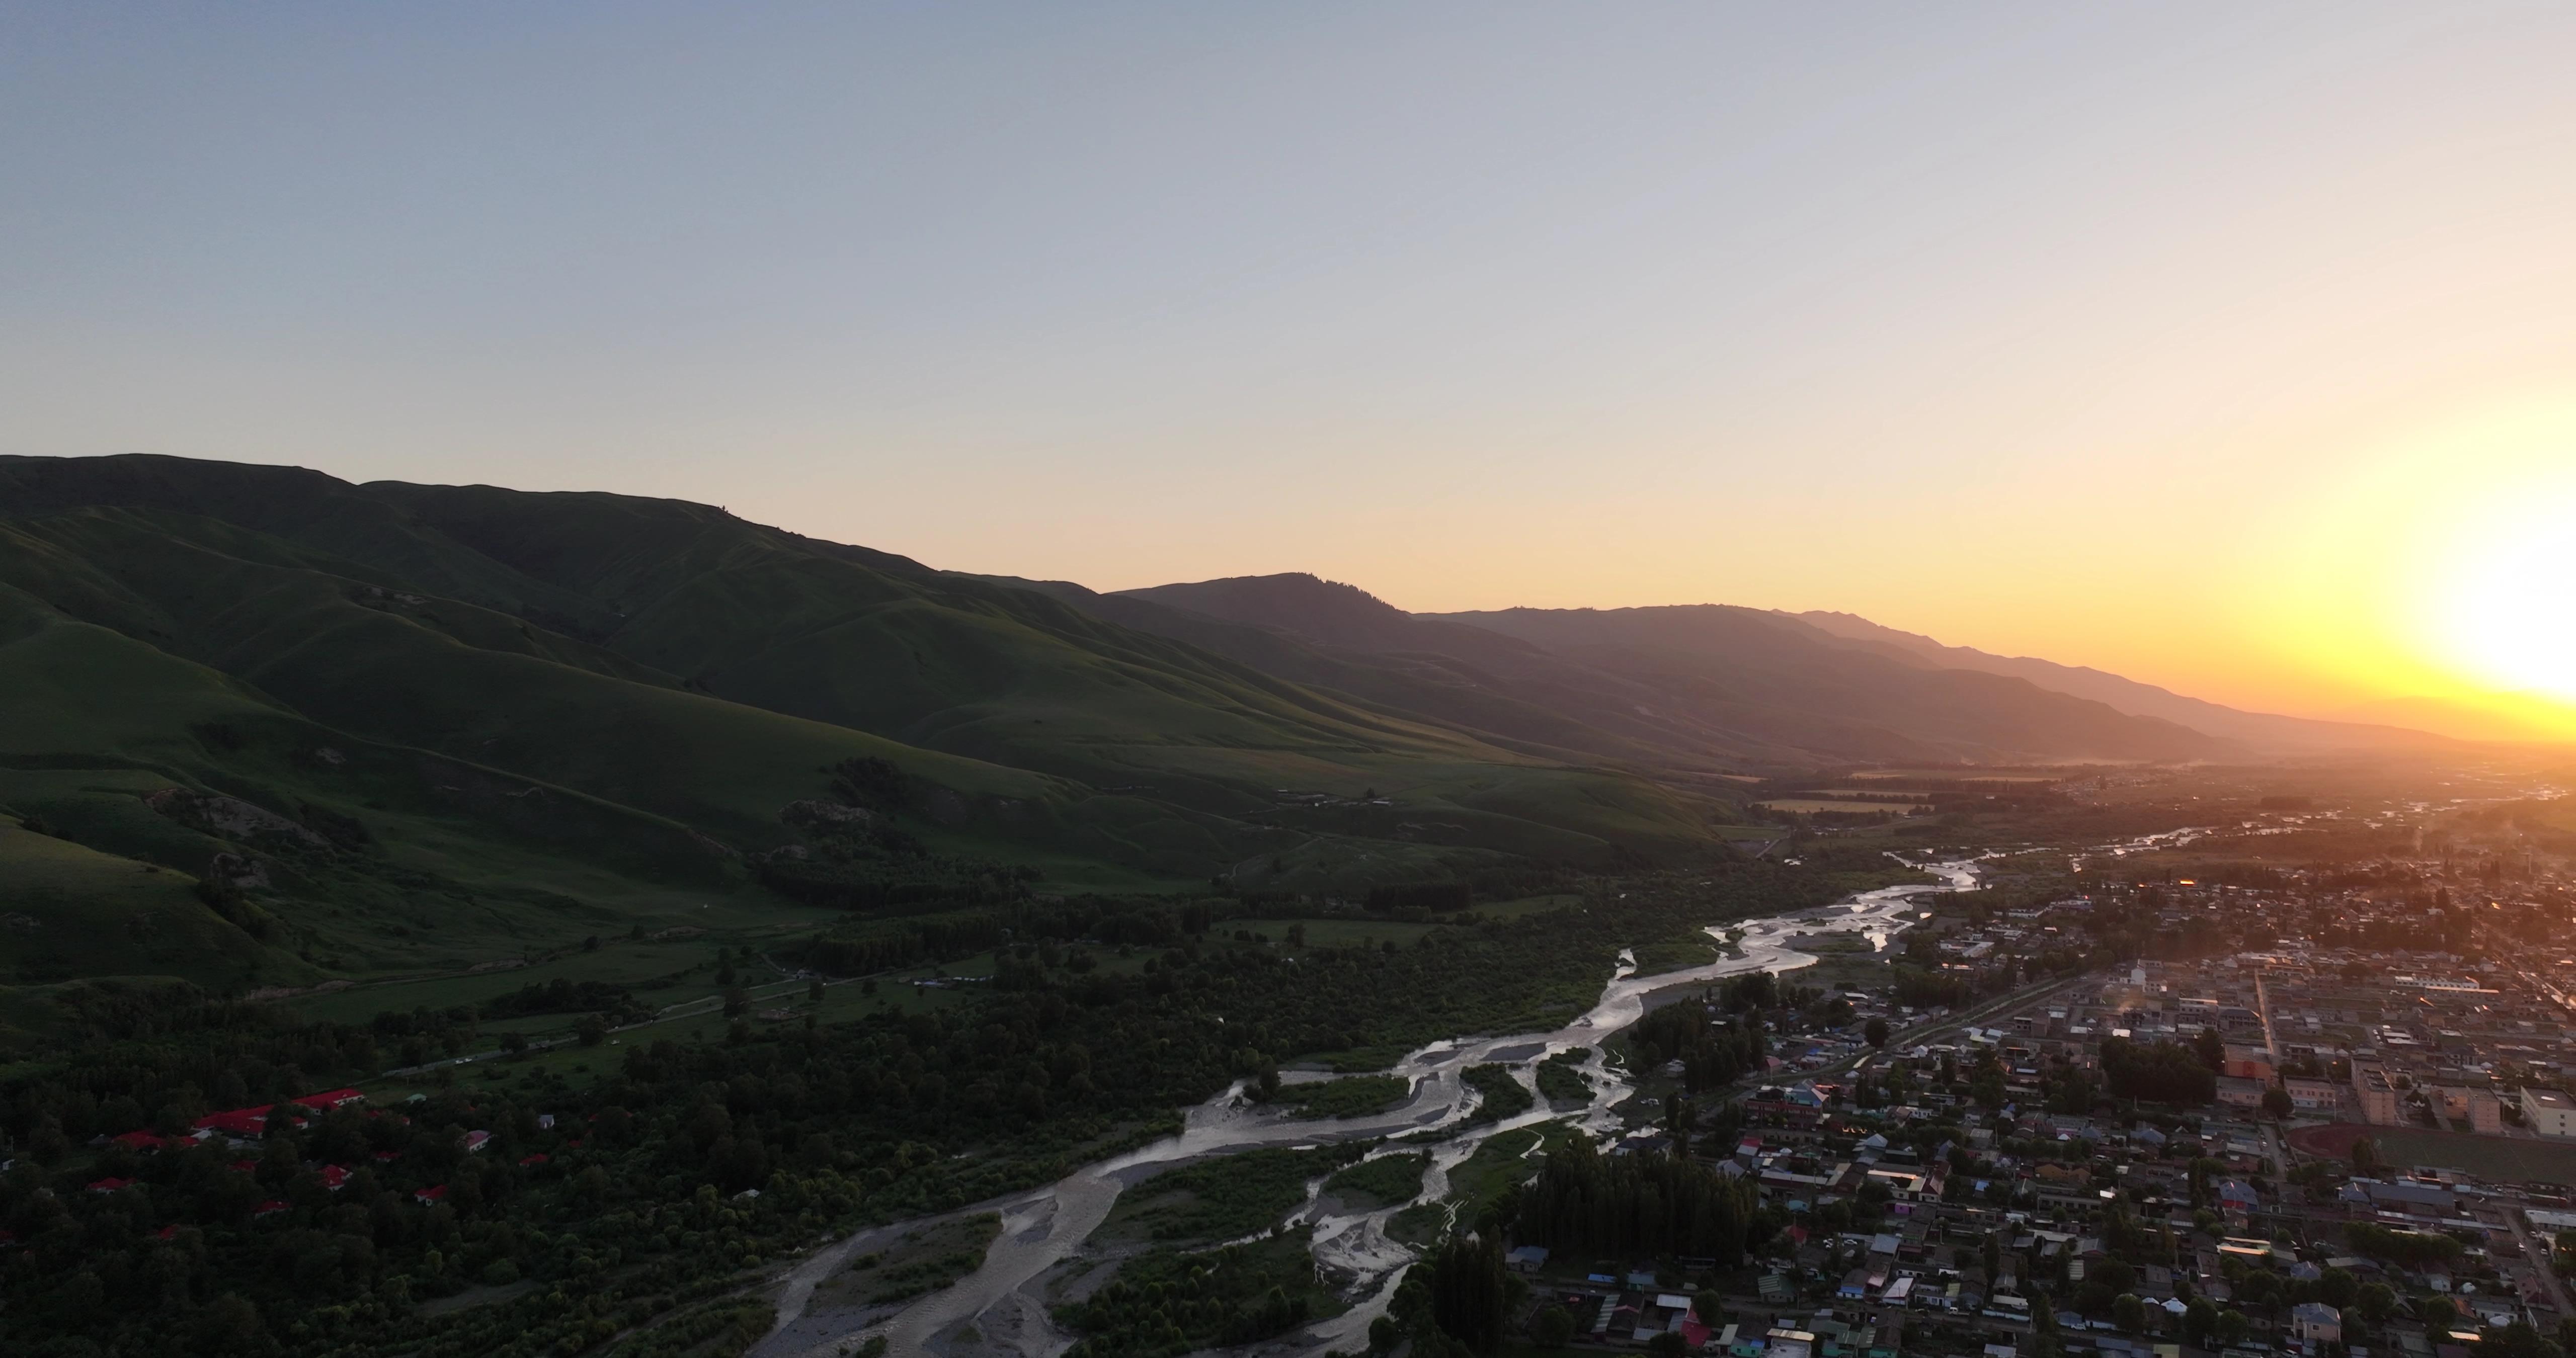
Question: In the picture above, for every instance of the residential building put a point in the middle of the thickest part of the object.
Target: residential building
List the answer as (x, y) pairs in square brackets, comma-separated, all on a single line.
[(2477, 1107), (2239, 1092), (2378, 1094), (2311, 1094), (2549, 1112)]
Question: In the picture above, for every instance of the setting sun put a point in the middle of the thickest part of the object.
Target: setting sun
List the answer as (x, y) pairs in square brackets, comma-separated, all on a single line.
[(2510, 617)]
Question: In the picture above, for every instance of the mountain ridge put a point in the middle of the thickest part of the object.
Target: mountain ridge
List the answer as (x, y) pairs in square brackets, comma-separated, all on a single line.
[(1703, 711), (2270, 732)]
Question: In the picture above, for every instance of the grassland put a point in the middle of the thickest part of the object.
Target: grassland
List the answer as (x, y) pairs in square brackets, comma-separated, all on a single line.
[(2493, 1158), (922, 1261), (1222, 1199), (1382, 1182), (487, 727), (1502, 1162), (1677, 954)]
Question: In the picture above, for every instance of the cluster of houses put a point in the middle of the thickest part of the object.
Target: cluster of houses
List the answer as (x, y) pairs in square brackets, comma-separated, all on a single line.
[(247, 1128)]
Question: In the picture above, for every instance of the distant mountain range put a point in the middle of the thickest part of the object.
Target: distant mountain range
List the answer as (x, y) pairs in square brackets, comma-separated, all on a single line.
[(390, 718), (2260, 732), (1708, 685)]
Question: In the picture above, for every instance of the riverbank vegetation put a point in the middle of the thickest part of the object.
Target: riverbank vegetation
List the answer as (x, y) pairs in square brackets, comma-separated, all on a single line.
[(625, 1195), (922, 1261), (1168, 1302), (1224, 1198), (1382, 1182), (1350, 1097), (1499, 1097), (1561, 1077)]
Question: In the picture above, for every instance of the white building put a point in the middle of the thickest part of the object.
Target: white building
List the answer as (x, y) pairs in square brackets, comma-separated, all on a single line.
[(2549, 1112)]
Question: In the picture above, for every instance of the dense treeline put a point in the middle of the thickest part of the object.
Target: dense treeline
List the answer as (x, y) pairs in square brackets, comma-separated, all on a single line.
[(1421, 896), (1105, 920), (1923, 988), (624, 1201), (1588, 1205), (159, 1057), (2169, 1072), (562, 996), (1713, 1055)]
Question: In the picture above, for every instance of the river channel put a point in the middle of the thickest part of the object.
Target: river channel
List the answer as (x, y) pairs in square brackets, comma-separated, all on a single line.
[(1003, 1301)]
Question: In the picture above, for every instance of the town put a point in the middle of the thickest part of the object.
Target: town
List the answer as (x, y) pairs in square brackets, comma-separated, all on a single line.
[(2133, 1104)]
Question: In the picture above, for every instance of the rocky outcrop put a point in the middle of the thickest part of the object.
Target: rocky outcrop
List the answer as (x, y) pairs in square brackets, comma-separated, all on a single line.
[(232, 818)]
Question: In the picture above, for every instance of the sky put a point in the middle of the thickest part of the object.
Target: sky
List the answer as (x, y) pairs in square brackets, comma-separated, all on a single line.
[(2230, 348)]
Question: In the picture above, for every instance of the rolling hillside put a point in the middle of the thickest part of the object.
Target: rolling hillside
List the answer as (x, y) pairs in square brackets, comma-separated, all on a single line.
[(395, 726)]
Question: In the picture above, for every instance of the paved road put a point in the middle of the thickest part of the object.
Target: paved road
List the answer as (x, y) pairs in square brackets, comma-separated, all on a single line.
[(2535, 1257)]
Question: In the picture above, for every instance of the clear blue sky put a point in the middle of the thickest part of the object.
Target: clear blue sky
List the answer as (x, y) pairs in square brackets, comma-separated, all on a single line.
[(2000, 322)]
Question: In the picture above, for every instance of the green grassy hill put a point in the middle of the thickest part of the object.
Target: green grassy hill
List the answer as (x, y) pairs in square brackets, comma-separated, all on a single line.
[(397, 728)]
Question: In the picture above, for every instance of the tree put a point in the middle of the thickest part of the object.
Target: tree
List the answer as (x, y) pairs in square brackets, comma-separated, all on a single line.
[(1875, 1031), (2233, 1327), (2377, 1302), (2517, 1340), (515, 1044), (2129, 1313), (1552, 1327), (1468, 1292), (591, 1029), (2338, 1288), (1668, 1345), (2276, 1101), (2198, 1320), (229, 1324), (1710, 1307)]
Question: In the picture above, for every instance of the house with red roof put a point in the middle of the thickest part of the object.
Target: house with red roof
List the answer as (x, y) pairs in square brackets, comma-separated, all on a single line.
[(109, 1184), (252, 1123), (430, 1196), (270, 1208), (241, 1124), (334, 1177), (142, 1141), (531, 1161)]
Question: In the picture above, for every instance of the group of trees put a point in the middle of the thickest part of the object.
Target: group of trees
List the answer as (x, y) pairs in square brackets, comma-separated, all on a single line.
[(1713, 1054), (1431, 896), (1588, 1205), (2169, 1072)]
